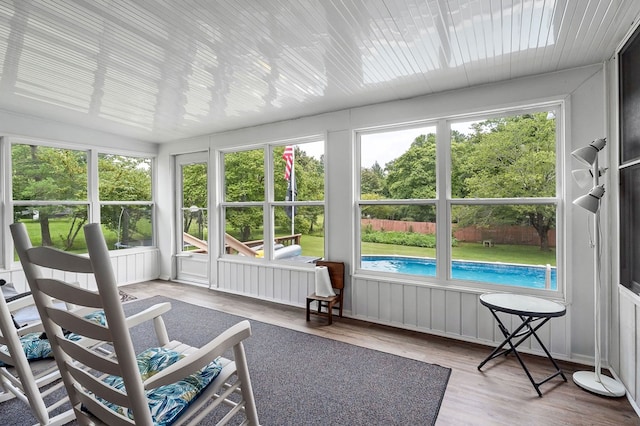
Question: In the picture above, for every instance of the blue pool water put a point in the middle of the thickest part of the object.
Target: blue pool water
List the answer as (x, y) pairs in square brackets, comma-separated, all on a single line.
[(488, 272)]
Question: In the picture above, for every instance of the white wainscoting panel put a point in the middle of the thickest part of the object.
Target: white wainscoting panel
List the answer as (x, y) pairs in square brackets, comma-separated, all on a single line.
[(451, 313), (277, 283), (636, 395), (469, 315), (438, 310), (130, 266), (630, 342), (194, 268)]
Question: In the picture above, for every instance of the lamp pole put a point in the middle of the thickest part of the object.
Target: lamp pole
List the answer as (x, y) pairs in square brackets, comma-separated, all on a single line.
[(594, 381)]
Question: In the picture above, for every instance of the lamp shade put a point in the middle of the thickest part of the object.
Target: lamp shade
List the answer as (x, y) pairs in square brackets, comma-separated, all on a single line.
[(591, 201), (588, 154), (584, 177)]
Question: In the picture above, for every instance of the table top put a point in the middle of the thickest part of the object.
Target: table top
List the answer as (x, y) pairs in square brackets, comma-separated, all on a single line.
[(520, 304)]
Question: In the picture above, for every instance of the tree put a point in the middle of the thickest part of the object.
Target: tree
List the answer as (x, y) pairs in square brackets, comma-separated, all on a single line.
[(244, 181), (378, 211), (194, 193), (508, 158), (51, 174), (460, 147), (413, 176), (308, 175), (373, 180), (123, 178)]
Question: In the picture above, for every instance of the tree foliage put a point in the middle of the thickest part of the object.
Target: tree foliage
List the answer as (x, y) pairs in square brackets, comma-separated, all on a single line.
[(372, 181), (43, 173), (194, 193), (244, 181), (510, 157), (413, 174), (124, 178)]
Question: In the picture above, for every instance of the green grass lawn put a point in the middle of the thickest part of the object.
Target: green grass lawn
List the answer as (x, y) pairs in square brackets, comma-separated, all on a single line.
[(529, 255), (313, 245), (59, 228)]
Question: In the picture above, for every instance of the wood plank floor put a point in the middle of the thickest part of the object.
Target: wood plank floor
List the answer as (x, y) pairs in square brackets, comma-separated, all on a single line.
[(500, 395)]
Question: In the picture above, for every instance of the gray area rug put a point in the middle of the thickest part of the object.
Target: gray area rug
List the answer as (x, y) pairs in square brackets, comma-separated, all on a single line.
[(302, 379)]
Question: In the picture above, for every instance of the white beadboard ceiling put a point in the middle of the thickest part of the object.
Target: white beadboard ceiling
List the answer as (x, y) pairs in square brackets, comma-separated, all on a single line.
[(161, 70)]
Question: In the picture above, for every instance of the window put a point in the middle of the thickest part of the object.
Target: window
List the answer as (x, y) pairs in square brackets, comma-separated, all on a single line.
[(49, 188), (193, 212), (124, 188), (397, 200), (291, 220), (499, 192), (629, 162), (629, 99), (244, 189), (52, 195), (298, 208), (630, 227)]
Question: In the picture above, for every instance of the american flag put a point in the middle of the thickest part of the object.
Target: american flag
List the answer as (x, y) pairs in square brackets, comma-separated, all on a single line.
[(288, 158)]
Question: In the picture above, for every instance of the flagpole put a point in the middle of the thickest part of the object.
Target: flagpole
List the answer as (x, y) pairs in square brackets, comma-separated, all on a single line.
[(292, 182)]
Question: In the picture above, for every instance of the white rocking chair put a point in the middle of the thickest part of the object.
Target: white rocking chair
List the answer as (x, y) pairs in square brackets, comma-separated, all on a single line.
[(24, 367), (152, 388), (17, 378)]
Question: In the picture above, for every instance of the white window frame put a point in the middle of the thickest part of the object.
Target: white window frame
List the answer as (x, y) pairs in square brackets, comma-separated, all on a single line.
[(269, 204), (92, 201), (444, 201), (95, 199)]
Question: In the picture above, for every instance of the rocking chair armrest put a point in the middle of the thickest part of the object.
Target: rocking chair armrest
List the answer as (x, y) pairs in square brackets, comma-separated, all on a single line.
[(36, 327), (20, 301), (153, 313), (148, 314), (197, 360)]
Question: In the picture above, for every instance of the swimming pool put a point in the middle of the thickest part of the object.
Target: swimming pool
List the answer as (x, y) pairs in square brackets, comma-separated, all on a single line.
[(530, 276)]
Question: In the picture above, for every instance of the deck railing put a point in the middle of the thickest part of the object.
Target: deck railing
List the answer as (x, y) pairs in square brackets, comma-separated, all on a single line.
[(285, 240)]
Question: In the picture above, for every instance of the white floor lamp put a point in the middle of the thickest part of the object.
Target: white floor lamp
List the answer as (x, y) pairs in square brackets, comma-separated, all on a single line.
[(595, 381)]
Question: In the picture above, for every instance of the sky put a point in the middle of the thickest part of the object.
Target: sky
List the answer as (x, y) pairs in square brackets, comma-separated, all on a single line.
[(384, 147), (387, 146)]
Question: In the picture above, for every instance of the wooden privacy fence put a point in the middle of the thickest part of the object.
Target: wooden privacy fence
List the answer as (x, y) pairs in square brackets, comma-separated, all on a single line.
[(399, 226), (502, 234)]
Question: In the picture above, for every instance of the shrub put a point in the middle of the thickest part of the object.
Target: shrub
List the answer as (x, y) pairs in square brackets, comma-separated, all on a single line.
[(403, 239)]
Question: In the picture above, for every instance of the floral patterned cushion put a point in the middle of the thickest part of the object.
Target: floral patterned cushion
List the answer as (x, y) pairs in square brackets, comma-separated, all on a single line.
[(166, 402), (36, 345)]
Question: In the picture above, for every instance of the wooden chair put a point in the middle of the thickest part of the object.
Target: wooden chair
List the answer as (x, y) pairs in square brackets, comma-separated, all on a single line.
[(124, 389), (22, 381), (326, 305), (26, 363)]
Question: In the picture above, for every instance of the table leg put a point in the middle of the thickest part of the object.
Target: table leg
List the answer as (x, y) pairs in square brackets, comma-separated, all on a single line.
[(520, 360), (530, 331), (553, 361), (498, 351)]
